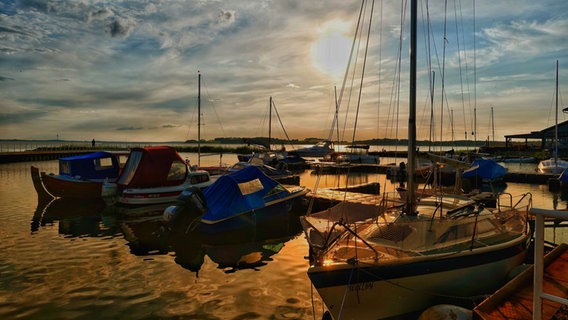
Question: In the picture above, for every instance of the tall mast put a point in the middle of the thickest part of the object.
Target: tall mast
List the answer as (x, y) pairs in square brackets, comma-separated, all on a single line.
[(410, 200), (269, 123), (198, 119), (556, 122)]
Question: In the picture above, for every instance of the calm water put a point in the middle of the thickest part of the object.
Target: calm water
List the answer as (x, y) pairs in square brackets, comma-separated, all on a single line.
[(78, 260)]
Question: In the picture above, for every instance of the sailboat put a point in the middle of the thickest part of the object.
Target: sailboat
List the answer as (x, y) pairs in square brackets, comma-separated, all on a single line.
[(274, 163), (554, 165), (403, 255)]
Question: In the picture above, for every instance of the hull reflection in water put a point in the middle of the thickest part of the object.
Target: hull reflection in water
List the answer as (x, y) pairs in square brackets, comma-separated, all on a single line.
[(75, 217), (242, 248)]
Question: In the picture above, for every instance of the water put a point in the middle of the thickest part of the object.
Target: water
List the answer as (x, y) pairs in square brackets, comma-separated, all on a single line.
[(79, 260)]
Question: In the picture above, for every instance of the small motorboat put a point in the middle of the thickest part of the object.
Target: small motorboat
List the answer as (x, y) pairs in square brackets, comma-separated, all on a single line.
[(240, 199), (79, 177), (153, 175), (317, 151)]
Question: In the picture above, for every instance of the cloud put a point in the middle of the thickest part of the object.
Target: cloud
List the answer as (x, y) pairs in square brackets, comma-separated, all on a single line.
[(118, 27), (133, 63), (129, 128), (99, 14), (2, 78), (227, 17)]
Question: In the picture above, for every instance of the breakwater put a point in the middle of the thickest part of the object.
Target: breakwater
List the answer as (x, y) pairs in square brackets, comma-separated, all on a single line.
[(26, 156)]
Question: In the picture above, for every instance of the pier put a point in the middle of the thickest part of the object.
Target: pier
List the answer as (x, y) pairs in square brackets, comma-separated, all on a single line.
[(26, 156), (541, 291)]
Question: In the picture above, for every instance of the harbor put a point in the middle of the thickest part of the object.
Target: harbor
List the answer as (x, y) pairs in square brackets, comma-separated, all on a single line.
[(77, 233), (284, 160)]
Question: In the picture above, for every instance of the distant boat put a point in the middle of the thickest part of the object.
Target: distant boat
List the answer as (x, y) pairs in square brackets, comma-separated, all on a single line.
[(357, 153), (263, 153), (318, 150), (554, 165), (79, 177), (153, 175), (487, 170)]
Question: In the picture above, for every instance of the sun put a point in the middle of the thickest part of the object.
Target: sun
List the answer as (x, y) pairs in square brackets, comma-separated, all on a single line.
[(330, 52)]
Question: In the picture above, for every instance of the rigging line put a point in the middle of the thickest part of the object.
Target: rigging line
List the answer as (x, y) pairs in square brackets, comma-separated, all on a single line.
[(355, 63), (191, 123), (474, 81), (394, 104), (466, 76), (351, 86), (330, 136), (460, 57), (312, 298), (380, 68), (213, 105), (443, 75), (280, 120), (431, 74), (345, 293), (363, 71)]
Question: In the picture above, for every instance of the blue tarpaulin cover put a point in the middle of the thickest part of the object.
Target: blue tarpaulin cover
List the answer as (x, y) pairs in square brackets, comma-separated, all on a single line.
[(96, 165), (486, 169), (238, 192)]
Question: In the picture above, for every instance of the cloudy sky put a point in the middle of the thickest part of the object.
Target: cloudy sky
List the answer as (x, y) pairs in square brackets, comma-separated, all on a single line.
[(127, 70)]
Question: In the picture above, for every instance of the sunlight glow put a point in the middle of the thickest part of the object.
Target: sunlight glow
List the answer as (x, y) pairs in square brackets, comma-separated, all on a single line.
[(330, 52)]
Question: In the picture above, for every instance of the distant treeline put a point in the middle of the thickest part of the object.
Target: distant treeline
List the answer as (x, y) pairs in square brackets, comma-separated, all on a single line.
[(379, 142)]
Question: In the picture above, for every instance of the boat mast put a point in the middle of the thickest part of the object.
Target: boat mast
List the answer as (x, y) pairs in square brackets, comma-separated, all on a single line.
[(198, 119), (410, 199), (556, 122), (269, 123)]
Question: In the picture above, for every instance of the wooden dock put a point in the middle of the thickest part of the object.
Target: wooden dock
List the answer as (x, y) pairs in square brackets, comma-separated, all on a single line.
[(515, 299), (26, 156)]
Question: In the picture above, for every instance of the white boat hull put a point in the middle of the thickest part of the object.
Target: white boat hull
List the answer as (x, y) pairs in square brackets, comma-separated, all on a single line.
[(396, 296), (143, 196), (552, 166)]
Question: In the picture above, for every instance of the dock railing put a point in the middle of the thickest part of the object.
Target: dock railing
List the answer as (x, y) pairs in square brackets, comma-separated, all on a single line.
[(538, 293)]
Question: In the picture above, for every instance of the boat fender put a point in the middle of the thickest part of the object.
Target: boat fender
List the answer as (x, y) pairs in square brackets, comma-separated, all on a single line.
[(446, 312), (170, 213)]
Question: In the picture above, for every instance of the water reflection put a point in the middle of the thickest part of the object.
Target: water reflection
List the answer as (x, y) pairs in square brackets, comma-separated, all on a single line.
[(75, 217), (248, 247), (147, 234)]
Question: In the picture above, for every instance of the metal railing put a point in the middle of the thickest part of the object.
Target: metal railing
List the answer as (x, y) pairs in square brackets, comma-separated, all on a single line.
[(538, 293)]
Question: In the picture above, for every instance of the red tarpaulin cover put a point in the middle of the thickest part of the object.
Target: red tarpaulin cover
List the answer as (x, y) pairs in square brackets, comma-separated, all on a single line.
[(151, 166)]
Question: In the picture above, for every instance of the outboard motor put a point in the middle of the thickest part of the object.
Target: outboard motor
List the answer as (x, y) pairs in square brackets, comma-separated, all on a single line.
[(190, 203)]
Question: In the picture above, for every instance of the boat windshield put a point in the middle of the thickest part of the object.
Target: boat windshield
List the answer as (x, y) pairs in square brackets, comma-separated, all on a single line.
[(130, 167)]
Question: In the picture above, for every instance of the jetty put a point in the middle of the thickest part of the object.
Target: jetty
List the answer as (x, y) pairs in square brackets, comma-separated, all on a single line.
[(41, 155), (539, 292)]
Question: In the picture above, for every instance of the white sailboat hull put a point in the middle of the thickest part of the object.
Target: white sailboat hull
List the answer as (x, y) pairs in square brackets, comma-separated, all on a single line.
[(391, 297), (552, 166)]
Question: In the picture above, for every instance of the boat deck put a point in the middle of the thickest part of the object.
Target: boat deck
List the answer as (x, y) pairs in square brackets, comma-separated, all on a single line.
[(324, 198), (515, 299)]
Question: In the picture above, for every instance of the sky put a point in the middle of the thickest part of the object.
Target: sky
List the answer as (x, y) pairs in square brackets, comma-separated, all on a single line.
[(128, 70)]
